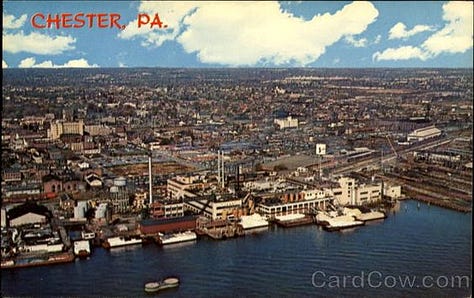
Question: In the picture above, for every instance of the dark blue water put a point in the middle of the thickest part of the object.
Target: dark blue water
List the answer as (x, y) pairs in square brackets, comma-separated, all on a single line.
[(416, 252)]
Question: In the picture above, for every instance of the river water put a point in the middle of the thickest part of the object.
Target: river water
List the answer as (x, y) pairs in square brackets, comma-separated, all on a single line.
[(422, 252)]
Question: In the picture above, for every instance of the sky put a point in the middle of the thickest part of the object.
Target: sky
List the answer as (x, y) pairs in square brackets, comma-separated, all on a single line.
[(329, 34)]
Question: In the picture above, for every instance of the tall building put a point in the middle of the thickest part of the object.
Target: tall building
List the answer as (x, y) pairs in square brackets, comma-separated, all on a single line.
[(58, 128), (352, 192)]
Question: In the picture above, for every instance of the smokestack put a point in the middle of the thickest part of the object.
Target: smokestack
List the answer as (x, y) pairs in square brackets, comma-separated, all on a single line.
[(218, 166), (238, 178), (223, 171), (150, 180)]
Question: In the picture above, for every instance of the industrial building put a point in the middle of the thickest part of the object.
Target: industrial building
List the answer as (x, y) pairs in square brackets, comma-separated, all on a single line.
[(277, 207), (351, 192), (214, 209), (168, 225), (424, 133), (58, 128), (183, 186), (166, 209), (287, 122)]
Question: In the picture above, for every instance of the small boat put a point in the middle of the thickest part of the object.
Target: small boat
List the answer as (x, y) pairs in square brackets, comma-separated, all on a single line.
[(82, 248), (177, 237), (155, 286), (122, 241)]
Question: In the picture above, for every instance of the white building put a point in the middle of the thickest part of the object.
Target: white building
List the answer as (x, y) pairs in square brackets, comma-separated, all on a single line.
[(307, 201), (351, 192), (320, 149), (424, 133), (28, 218), (58, 128), (167, 209), (287, 122), (181, 187), (3, 217), (393, 192), (214, 209)]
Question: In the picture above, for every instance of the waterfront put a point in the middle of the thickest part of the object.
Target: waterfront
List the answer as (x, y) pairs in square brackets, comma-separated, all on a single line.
[(296, 262)]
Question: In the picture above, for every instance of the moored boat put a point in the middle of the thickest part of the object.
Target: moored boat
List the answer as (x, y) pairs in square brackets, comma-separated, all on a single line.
[(155, 286), (82, 248), (340, 224), (373, 215), (40, 260), (253, 221), (293, 220), (335, 222), (177, 237), (122, 241)]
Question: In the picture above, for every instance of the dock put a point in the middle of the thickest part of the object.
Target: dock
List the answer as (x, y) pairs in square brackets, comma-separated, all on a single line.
[(293, 220), (219, 229)]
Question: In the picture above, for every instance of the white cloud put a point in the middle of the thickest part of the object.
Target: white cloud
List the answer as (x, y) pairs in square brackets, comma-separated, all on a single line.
[(76, 63), (171, 14), (9, 21), (401, 53), (400, 31), (377, 39), (37, 43), (454, 37), (27, 62), (4, 64), (358, 43), (250, 33)]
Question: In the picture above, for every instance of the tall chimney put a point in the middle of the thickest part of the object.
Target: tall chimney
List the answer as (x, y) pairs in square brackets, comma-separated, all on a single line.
[(223, 172), (218, 166), (150, 180)]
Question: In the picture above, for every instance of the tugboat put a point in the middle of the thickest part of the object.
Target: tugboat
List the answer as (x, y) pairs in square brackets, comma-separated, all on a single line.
[(167, 283)]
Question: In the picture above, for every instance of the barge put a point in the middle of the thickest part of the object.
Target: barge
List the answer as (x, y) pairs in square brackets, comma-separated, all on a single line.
[(335, 222), (293, 220), (167, 283), (39, 260), (373, 215), (254, 221), (122, 241)]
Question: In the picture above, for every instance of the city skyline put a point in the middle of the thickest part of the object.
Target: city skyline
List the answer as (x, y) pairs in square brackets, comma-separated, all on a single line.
[(241, 34)]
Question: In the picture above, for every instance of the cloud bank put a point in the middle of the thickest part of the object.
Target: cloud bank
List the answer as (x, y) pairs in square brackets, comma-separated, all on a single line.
[(10, 22), (35, 42), (76, 63), (455, 37), (400, 31), (251, 33)]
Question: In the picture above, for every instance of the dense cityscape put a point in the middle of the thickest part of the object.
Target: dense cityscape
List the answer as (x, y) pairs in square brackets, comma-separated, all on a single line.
[(226, 151)]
